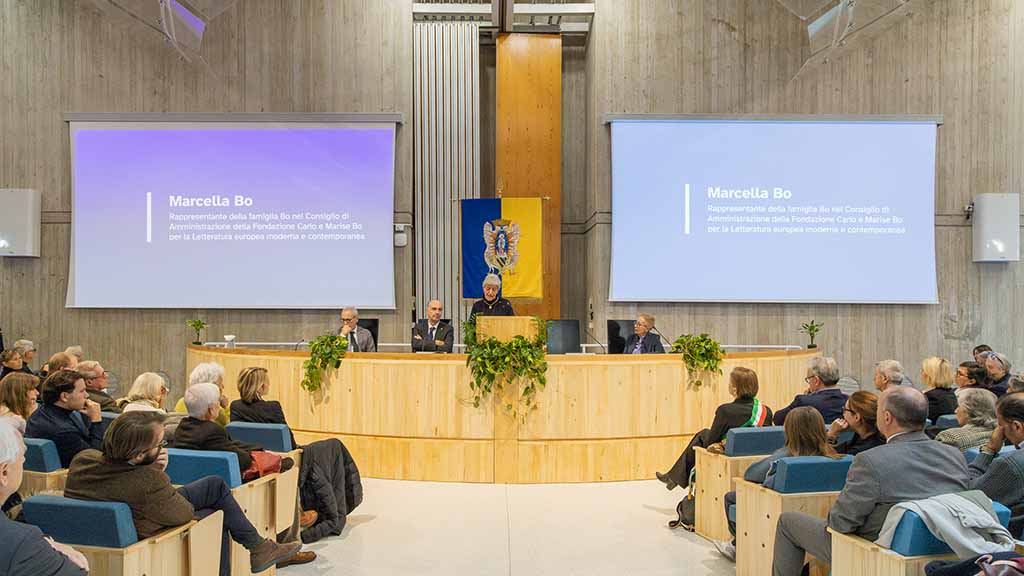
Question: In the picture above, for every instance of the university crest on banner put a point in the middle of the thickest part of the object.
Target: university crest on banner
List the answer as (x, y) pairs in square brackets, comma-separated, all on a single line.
[(503, 237)]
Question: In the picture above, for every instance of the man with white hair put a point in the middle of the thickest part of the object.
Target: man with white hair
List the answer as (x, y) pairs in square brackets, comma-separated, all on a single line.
[(24, 551), (209, 373), (491, 304), (822, 393), (96, 385), (27, 349), (359, 339), (888, 373)]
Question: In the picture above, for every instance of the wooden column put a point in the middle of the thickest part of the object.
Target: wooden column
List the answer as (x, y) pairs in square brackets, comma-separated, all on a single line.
[(528, 154)]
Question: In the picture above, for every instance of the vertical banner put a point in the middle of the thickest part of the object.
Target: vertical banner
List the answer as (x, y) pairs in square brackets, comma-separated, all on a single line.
[(503, 237)]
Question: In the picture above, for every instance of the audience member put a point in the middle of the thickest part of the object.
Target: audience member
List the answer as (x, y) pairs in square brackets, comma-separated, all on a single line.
[(980, 353), (60, 361), (644, 340), (10, 362), (888, 372), (75, 352), (131, 469), (976, 416), (998, 367), (18, 394), (67, 416), (1016, 384), (96, 383), (28, 353), (213, 373), (746, 410), (937, 377), (1002, 478), (147, 394), (24, 551), (970, 375), (805, 436), (821, 394), (199, 431), (860, 417), (909, 466), (330, 485)]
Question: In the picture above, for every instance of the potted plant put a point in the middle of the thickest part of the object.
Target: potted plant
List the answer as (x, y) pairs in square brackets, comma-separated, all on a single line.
[(811, 329), (702, 355), (197, 325), (492, 363)]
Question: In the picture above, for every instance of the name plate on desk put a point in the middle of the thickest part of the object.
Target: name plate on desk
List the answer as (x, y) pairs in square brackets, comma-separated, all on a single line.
[(505, 328)]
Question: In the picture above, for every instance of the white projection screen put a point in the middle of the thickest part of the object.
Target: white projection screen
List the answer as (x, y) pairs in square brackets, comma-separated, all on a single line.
[(773, 210), (232, 214)]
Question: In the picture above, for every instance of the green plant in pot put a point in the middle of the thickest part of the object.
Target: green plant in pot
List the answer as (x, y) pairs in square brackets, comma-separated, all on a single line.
[(197, 325), (702, 356), (811, 329), (492, 363), (325, 354)]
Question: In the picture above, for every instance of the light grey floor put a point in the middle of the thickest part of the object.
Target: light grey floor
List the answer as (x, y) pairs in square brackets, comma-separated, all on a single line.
[(537, 530)]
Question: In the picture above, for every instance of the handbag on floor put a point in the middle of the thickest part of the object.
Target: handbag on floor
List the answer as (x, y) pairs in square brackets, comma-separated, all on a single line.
[(686, 510)]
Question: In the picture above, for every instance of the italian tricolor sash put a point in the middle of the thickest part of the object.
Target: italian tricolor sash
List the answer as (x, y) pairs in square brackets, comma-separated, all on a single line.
[(758, 415)]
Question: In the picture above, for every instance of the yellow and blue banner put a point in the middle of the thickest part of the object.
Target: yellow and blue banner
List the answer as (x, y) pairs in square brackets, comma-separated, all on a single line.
[(502, 236)]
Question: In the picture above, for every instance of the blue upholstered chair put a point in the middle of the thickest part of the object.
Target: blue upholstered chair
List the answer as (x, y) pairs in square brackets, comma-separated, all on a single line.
[(184, 466), (273, 437), (82, 522), (912, 537), (41, 455), (946, 421), (800, 474), (754, 441), (971, 453), (108, 417)]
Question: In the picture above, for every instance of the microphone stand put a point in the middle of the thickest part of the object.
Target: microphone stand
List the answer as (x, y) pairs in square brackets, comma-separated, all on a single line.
[(596, 341)]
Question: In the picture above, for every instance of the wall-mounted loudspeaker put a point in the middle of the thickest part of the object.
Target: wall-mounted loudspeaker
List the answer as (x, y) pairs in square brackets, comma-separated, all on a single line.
[(19, 222), (996, 227)]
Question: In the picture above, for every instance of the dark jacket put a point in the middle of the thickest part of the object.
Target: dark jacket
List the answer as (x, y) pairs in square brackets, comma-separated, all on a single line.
[(1002, 479), (828, 401), (147, 490), (4, 371), (499, 307), (24, 552), (733, 415), (650, 345), (941, 401), (193, 434), (260, 412), (426, 344), (68, 429), (107, 404), (856, 444), (329, 483), (1000, 387)]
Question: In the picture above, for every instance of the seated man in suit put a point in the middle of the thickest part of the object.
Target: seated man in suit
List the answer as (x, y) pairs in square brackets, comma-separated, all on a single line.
[(491, 304), (96, 385), (24, 551), (359, 339), (822, 393), (131, 469), (67, 416), (909, 466), (1002, 479), (432, 335), (644, 340), (888, 373)]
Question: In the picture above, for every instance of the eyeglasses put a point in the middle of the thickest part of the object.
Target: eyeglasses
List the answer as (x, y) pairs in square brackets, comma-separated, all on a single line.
[(847, 409), (808, 379)]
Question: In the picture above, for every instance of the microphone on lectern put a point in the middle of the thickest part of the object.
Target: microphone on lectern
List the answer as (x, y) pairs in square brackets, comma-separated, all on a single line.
[(655, 330)]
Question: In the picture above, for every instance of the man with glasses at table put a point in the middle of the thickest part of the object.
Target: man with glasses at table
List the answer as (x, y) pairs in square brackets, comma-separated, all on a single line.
[(644, 339), (359, 339), (822, 393)]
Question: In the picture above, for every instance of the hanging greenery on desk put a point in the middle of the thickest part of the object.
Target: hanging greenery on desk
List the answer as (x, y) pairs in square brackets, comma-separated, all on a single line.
[(325, 353), (492, 363), (702, 354)]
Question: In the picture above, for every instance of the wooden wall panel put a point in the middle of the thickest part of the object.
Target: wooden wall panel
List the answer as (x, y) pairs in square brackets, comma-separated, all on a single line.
[(528, 146), (267, 56)]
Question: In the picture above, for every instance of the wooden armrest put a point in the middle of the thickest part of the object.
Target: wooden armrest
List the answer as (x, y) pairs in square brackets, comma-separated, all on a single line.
[(169, 533)]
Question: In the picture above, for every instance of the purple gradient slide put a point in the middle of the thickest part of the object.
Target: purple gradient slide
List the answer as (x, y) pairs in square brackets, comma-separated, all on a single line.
[(232, 216)]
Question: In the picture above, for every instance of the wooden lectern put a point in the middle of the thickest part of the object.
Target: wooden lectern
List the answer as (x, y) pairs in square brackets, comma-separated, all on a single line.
[(506, 423)]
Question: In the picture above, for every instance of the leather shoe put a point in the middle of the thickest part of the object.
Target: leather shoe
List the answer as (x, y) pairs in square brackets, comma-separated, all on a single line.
[(268, 553), (308, 518), (669, 483), (304, 557)]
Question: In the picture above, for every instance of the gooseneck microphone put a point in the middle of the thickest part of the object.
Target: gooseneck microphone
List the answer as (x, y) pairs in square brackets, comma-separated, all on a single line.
[(656, 331), (596, 341)]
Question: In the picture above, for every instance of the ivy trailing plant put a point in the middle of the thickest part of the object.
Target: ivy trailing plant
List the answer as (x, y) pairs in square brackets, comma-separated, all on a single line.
[(325, 353), (702, 355), (492, 363), (198, 325)]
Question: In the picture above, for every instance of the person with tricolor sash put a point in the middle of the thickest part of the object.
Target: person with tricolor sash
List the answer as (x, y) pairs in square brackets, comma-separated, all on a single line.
[(745, 411)]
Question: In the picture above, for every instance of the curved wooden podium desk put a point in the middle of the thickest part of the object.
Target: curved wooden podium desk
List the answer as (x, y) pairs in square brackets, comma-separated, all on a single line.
[(601, 418)]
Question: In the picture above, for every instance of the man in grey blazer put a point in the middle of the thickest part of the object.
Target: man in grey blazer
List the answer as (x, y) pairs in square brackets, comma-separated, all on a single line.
[(359, 339), (1002, 479), (910, 466)]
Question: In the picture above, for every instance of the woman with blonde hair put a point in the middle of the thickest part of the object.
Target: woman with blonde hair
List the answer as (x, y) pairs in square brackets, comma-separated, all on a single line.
[(937, 377), (147, 394), (18, 394)]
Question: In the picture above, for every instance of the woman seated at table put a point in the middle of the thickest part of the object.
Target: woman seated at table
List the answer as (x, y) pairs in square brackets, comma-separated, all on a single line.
[(329, 480), (491, 304), (147, 394), (805, 436), (860, 417), (976, 414), (643, 340), (745, 411)]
